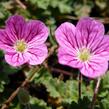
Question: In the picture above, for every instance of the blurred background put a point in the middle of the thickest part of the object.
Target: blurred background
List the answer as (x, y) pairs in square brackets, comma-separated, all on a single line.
[(52, 12)]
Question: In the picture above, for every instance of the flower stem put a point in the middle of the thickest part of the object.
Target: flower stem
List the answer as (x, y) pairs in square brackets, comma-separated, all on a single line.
[(95, 93), (79, 86)]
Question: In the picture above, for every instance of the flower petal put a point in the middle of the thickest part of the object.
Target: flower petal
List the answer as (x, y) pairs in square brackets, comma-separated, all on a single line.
[(36, 32), (15, 27), (91, 30), (66, 36), (15, 59), (94, 68), (68, 58), (5, 42), (102, 50), (37, 54)]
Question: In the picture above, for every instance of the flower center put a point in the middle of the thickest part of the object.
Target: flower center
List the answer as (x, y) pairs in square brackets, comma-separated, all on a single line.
[(20, 46), (84, 54)]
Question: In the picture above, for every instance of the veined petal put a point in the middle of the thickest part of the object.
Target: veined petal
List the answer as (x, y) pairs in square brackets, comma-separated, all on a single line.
[(92, 32), (15, 27), (102, 50), (68, 58), (15, 59), (7, 48), (94, 69), (5, 42), (36, 32), (66, 36), (37, 54)]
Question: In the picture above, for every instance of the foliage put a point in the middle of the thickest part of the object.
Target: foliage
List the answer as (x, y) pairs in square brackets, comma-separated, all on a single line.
[(49, 90), (33, 104)]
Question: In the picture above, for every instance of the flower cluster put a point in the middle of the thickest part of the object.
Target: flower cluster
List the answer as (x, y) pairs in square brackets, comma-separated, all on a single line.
[(84, 47)]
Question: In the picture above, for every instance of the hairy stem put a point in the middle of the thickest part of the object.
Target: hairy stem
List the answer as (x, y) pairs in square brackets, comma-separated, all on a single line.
[(79, 86), (20, 4), (95, 93)]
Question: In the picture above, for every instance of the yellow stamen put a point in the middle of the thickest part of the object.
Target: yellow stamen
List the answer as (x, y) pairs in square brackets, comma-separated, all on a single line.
[(20, 46), (84, 54)]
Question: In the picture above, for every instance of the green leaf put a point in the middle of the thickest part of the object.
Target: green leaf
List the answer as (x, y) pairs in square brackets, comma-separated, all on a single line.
[(46, 79), (38, 104), (2, 83), (34, 103), (67, 91)]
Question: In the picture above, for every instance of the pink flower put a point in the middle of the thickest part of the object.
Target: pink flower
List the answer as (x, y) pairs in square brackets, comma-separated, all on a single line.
[(84, 47), (23, 42)]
